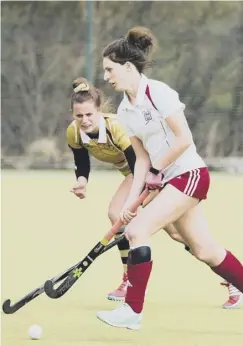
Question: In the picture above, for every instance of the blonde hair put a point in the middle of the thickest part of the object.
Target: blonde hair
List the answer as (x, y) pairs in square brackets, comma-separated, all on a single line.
[(84, 91)]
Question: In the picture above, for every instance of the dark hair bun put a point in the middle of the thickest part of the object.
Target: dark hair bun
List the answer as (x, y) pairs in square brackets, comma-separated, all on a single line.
[(142, 38)]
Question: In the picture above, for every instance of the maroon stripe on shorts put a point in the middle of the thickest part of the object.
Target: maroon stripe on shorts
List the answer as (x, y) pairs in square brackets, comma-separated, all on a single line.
[(194, 183)]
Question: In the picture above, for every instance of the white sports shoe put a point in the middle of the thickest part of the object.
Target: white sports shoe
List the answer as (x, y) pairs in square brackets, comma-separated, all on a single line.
[(122, 317)]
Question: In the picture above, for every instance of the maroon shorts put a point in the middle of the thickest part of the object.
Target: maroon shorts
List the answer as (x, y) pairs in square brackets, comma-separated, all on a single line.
[(194, 183)]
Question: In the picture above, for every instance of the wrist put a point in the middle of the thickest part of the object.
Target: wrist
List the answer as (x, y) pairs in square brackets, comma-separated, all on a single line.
[(131, 198), (154, 170)]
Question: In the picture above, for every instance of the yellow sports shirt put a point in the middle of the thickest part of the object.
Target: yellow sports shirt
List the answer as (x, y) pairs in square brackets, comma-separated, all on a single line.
[(108, 147)]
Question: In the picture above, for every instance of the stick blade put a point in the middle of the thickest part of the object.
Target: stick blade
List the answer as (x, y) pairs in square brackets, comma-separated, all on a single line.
[(49, 289), (7, 308)]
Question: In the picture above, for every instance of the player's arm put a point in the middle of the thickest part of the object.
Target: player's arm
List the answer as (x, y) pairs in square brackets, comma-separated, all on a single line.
[(82, 170), (183, 139), (131, 157), (171, 110), (80, 155), (125, 139), (141, 168), (82, 163)]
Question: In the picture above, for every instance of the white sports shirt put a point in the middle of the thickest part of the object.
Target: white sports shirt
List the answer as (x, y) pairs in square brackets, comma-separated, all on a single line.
[(155, 101)]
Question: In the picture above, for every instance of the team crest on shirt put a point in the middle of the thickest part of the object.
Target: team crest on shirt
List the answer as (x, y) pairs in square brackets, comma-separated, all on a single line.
[(147, 116)]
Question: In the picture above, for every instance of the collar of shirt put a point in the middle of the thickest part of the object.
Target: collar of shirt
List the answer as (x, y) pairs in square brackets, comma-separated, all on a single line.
[(102, 133), (141, 93)]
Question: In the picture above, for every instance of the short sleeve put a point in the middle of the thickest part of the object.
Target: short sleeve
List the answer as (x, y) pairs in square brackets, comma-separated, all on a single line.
[(121, 116), (72, 136), (165, 99)]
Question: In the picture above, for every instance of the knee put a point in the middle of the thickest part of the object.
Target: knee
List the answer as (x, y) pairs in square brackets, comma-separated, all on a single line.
[(134, 234), (174, 235), (131, 233), (139, 255)]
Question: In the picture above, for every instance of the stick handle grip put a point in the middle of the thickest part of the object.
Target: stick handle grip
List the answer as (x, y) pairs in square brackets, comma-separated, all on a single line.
[(116, 227)]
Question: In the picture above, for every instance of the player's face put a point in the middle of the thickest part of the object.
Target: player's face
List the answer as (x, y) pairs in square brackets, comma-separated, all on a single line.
[(87, 115), (116, 74)]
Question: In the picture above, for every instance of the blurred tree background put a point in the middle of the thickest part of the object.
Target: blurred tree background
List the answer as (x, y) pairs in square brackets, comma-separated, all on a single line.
[(44, 43)]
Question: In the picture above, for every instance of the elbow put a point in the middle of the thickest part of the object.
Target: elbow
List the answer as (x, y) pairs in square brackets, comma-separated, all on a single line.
[(185, 142), (143, 161)]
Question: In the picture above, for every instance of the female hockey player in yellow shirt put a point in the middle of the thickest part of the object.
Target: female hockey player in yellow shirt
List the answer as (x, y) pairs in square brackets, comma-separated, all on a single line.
[(95, 133), (101, 135)]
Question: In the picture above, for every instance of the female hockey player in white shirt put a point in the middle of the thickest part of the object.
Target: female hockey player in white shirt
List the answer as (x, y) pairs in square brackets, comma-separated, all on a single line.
[(166, 158)]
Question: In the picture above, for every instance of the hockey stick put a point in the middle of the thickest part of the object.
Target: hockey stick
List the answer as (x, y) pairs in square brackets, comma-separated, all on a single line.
[(11, 309), (152, 194), (113, 243), (83, 265)]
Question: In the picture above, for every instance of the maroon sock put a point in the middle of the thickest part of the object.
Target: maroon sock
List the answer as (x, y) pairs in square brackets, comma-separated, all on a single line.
[(138, 276), (231, 270)]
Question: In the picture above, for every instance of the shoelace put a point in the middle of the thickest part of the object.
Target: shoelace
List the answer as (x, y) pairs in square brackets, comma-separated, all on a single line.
[(233, 291), (123, 285), (123, 305)]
